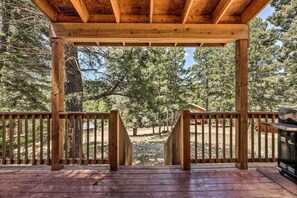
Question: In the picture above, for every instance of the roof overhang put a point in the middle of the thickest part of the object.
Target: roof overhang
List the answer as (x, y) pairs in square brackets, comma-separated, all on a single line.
[(150, 22)]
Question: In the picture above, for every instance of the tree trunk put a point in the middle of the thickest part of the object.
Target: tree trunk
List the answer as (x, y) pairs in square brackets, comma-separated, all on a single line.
[(153, 129), (135, 131), (73, 93)]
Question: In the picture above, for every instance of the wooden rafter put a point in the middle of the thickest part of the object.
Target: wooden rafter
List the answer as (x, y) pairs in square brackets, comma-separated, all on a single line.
[(151, 10), (150, 32), (186, 10), (220, 10), (116, 10), (47, 9), (253, 9), (81, 9)]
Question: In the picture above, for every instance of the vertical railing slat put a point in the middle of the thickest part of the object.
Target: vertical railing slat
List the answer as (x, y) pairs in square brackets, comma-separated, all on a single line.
[(266, 139), (95, 139), (26, 139), (88, 139), (196, 143), (273, 139), (66, 138), (80, 139), (48, 139), (33, 140), (209, 138), (203, 145), (11, 134), (73, 139), (231, 138), (102, 139), (3, 139), (224, 137), (259, 138), (217, 137), (19, 140), (41, 139), (252, 137)]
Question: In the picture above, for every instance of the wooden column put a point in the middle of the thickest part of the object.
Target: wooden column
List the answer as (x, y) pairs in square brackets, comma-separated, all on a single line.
[(113, 147), (185, 141), (57, 101), (241, 88)]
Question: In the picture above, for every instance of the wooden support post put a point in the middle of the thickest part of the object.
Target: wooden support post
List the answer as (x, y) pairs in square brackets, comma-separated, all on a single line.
[(185, 141), (241, 88), (113, 145), (57, 101)]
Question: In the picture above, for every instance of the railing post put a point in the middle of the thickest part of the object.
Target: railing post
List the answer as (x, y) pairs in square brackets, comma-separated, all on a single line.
[(57, 101), (185, 141), (241, 86), (113, 144)]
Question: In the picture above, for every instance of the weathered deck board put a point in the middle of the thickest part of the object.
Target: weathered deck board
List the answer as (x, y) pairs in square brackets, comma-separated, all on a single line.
[(92, 181)]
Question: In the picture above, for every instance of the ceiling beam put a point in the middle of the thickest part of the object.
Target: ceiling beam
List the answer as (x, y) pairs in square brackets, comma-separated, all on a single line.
[(116, 10), (255, 7), (151, 10), (47, 9), (81, 9), (220, 10), (186, 10), (150, 32)]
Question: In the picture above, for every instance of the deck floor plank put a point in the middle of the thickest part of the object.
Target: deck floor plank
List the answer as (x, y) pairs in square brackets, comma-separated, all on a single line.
[(92, 181)]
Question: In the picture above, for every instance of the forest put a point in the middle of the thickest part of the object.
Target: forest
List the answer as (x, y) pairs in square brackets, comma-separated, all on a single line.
[(148, 85)]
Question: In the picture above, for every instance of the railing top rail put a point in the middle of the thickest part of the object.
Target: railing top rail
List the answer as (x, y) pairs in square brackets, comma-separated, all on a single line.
[(25, 113), (262, 112), (214, 113), (84, 113)]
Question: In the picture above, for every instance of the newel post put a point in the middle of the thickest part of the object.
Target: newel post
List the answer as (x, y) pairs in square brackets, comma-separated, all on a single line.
[(113, 145), (241, 89), (185, 141), (57, 45)]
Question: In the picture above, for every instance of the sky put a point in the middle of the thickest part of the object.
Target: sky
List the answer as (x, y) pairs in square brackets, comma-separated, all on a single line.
[(190, 51)]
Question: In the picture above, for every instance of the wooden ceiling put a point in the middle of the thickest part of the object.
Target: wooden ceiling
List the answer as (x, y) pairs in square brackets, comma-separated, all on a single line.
[(125, 15)]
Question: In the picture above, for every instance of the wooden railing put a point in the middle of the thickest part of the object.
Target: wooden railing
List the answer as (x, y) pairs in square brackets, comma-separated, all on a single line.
[(177, 146), (262, 139), (213, 137), (87, 138), (25, 138)]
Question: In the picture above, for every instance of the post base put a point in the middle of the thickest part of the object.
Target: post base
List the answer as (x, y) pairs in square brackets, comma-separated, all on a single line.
[(57, 167), (242, 165)]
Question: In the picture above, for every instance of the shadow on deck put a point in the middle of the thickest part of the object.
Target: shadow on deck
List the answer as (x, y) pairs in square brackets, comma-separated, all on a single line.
[(138, 181)]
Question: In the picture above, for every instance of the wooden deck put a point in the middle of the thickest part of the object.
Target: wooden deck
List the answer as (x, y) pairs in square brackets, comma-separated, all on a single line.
[(169, 181)]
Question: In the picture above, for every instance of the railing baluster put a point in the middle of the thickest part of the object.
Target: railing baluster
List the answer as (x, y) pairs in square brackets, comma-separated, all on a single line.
[(202, 126), (217, 138), (19, 140), (66, 138), (41, 139), (80, 139), (231, 141), (95, 139), (259, 138), (73, 139), (196, 143), (102, 139), (11, 134), (33, 140), (88, 139), (273, 139), (26, 139), (3, 139), (266, 139), (209, 138), (224, 137), (252, 137), (48, 139)]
